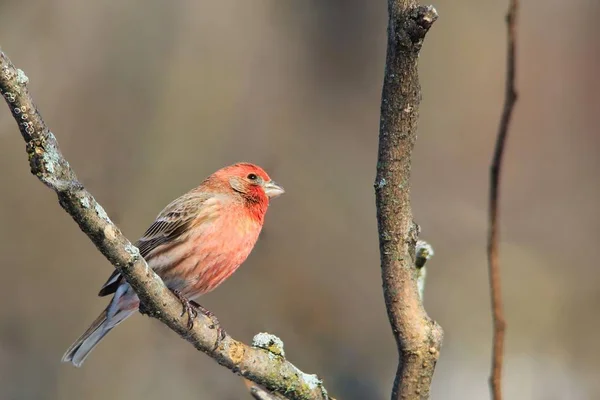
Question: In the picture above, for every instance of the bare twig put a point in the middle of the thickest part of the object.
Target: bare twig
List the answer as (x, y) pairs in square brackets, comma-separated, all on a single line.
[(418, 337), (510, 98), (257, 363), (423, 253), (260, 393)]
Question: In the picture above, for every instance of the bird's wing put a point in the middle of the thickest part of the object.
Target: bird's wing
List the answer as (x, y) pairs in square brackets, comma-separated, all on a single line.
[(169, 226)]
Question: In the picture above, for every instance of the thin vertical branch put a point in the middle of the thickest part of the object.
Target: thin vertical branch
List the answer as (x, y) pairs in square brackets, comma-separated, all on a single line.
[(510, 98)]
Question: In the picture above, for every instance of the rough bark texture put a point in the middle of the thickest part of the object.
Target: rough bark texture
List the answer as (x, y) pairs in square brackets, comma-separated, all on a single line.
[(257, 363), (418, 337)]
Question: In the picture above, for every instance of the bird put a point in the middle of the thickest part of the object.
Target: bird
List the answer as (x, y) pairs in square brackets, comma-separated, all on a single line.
[(195, 243)]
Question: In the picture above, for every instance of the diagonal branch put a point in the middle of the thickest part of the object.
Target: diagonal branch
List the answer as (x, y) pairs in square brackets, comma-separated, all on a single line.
[(510, 98), (257, 363), (418, 338)]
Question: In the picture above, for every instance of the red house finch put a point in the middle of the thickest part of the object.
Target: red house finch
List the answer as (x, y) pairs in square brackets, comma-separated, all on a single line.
[(194, 244)]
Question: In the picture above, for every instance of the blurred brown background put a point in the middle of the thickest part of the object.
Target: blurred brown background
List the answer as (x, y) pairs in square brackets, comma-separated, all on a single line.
[(148, 97)]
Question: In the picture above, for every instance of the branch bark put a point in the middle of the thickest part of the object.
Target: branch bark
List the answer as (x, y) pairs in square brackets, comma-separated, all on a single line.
[(258, 363), (510, 98), (418, 337)]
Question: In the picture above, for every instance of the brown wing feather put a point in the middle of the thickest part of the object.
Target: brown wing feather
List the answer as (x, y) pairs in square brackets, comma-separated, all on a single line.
[(169, 225)]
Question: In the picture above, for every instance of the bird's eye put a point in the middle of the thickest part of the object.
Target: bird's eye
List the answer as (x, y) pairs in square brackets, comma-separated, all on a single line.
[(252, 177)]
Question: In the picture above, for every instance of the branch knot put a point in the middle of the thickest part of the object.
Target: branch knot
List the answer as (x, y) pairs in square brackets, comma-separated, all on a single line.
[(420, 21)]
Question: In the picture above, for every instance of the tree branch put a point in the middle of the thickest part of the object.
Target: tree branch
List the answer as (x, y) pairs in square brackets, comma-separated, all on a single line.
[(510, 98), (256, 363), (418, 337)]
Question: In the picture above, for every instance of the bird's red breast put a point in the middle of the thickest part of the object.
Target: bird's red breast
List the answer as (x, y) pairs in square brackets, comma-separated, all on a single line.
[(222, 233), (202, 237)]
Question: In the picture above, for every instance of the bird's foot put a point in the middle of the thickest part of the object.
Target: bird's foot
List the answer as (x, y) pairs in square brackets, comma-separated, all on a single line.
[(192, 308), (215, 322), (188, 307)]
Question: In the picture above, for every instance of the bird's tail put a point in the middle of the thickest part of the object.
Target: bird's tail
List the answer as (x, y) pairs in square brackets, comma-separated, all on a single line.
[(112, 315)]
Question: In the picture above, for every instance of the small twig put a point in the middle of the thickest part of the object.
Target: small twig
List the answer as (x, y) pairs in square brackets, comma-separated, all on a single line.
[(260, 393), (257, 362), (423, 252), (510, 98)]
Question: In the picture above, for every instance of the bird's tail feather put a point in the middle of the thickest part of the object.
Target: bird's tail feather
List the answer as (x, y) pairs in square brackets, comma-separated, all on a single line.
[(78, 352)]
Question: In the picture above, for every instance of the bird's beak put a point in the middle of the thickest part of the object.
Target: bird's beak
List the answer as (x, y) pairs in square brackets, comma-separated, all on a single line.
[(272, 189)]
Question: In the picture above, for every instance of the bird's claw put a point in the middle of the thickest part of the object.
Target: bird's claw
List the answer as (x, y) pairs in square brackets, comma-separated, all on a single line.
[(221, 334), (188, 308), (192, 308)]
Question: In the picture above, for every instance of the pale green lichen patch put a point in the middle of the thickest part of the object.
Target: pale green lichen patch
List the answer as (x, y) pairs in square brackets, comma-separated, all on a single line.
[(50, 157), (269, 342), (84, 201), (50, 161), (132, 250), (22, 79), (101, 213), (312, 380), (50, 137)]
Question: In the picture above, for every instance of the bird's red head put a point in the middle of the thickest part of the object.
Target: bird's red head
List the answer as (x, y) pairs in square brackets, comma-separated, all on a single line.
[(250, 181)]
